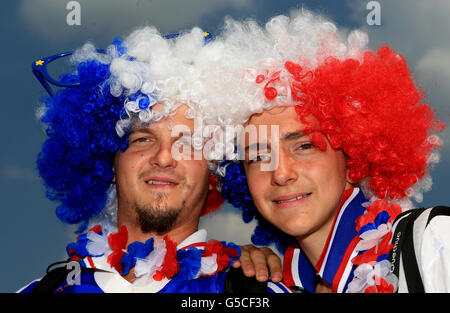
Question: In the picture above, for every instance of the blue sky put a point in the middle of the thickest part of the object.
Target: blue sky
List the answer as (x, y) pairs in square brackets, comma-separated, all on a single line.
[(31, 236)]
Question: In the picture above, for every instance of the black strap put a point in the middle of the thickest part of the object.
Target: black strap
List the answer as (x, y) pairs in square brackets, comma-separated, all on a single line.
[(53, 279), (438, 210), (237, 282), (412, 273), (404, 246)]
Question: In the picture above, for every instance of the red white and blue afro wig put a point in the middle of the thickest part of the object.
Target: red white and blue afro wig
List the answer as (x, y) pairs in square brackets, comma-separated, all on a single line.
[(87, 123), (367, 103)]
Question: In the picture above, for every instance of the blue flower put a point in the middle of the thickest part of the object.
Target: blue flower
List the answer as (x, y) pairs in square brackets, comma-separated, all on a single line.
[(382, 218), (190, 263), (136, 249), (80, 245)]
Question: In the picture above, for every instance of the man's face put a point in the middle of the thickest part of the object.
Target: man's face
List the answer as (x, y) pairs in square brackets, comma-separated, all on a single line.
[(300, 196), (153, 188)]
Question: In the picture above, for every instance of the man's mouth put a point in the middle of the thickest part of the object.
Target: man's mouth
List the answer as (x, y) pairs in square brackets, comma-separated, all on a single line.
[(291, 198), (155, 182), (160, 181)]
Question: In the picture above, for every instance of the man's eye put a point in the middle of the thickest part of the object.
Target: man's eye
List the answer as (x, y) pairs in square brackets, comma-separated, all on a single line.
[(141, 139)]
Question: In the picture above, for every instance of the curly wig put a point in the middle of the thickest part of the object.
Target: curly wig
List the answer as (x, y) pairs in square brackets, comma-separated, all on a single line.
[(366, 103), (87, 123)]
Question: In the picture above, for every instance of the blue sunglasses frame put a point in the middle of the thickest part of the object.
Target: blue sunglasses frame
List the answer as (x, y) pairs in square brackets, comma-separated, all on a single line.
[(39, 67)]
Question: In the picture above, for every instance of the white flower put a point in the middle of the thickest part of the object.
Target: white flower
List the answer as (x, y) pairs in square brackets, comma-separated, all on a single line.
[(366, 275), (208, 265), (372, 237), (97, 244), (146, 268)]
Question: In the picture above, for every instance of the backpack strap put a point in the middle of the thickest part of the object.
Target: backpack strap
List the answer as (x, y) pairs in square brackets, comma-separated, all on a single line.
[(412, 273), (53, 279), (237, 282), (404, 245), (438, 211)]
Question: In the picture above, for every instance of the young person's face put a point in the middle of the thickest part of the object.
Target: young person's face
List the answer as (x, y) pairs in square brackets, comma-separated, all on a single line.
[(152, 186), (300, 196)]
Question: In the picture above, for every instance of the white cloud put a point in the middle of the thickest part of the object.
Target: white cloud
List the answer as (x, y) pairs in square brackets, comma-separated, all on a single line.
[(47, 18)]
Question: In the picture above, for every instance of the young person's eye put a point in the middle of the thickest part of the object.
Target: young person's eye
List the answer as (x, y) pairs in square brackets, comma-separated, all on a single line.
[(305, 146), (262, 157)]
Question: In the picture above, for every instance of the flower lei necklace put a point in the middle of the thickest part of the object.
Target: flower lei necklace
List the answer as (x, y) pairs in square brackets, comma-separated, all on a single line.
[(154, 260), (373, 274)]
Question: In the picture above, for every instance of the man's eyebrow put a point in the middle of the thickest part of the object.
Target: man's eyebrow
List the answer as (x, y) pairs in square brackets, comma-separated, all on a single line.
[(141, 130)]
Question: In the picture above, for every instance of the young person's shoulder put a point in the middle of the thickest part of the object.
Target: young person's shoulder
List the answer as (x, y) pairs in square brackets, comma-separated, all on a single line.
[(423, 236), (424, 216)]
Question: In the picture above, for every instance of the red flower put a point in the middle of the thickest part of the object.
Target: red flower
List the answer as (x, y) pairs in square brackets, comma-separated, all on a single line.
[(381, 286), (216, 247), (231, 252), (170, 265), (212, 246), (394, 210), (372, 212), (364, 219), (117, 243), (371, 255), (96, 229), (376, 207), (73, 255), (224, 254)]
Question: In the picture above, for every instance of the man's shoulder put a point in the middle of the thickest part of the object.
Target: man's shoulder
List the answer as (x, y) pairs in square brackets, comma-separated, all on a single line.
[(64, 278), (29, 287)]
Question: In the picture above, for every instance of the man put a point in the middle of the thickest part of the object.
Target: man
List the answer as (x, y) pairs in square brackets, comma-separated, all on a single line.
[(342, 142), (110, 161)]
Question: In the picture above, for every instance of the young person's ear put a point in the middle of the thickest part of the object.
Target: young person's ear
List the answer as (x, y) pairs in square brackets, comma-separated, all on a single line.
[(348, 179)]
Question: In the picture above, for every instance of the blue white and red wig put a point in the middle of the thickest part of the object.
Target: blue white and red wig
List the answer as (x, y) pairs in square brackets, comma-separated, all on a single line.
[(88, 123)]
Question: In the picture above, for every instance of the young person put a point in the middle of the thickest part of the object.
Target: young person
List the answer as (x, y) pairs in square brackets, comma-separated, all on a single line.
[(110, 161), (342, 142)]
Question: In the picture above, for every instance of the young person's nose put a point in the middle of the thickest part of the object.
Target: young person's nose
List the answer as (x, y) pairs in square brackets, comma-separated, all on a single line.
[(284, 173)]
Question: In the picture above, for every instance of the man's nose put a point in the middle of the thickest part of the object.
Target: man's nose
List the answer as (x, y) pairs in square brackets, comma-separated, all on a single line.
[(163, 157), (285, 172)]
